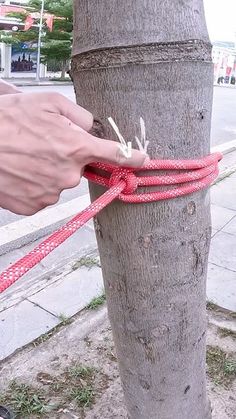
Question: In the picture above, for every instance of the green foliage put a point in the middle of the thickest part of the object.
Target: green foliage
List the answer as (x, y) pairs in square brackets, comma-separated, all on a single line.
[(82, 396), (81, 371), (24, 400), (57, 44), (97, 302), (60, 8), (60, 50), (221, 367), (87, 262)]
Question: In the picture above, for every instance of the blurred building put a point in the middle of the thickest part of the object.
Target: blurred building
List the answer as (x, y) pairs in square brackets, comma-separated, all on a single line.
[(15, 61), (6, 7), (224, 59)]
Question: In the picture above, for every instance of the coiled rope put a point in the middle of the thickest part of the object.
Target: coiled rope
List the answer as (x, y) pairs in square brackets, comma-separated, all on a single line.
[(122, 183)]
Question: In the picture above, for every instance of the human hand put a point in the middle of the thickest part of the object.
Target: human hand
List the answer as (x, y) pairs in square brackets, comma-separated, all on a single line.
[(44, 146), (8, 89)]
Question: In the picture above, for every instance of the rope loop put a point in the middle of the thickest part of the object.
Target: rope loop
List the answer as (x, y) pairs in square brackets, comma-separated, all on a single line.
[(128, 177), (122, 183)]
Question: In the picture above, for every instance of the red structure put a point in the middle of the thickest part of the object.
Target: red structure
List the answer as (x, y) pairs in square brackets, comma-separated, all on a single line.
[(7, 22), (4, 10)]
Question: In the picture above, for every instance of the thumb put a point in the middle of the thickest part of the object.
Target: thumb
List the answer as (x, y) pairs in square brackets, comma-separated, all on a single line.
[(111, 152)]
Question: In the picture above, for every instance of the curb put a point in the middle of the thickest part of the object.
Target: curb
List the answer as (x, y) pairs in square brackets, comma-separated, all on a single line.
[(221, 319), (225, 148), (34, 84), (224, 174), (19, 233), (28, 82), (227, 86)]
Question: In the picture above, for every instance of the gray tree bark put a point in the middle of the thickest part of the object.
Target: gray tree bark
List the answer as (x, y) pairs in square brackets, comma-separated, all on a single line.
[(152, 58)]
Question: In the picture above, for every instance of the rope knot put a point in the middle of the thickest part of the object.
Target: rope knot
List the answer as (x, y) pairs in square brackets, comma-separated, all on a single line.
[(128, 177)]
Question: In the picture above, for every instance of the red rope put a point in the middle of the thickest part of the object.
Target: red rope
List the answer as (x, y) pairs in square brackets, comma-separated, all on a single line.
[(122, 184)]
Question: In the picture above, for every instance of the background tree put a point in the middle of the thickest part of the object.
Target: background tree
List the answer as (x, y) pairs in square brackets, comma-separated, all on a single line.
[(56, 44), (154, 61)]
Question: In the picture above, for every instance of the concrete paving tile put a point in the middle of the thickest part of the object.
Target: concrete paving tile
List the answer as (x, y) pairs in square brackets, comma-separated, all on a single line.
[(82, 243), (82, 239), (230, 227), (224, 193), (221, 216), (76, 244), (74, 292), (223, 250), (22, 324), (221, 287)]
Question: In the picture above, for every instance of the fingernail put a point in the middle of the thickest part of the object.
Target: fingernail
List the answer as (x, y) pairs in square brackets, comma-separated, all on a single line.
[(137, 159)]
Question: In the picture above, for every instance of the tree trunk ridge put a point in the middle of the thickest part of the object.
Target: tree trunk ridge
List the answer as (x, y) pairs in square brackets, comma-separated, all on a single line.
[(193, 50)]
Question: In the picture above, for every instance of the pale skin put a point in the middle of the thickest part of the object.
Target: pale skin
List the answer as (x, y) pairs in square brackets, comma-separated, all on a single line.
[(44, 146)]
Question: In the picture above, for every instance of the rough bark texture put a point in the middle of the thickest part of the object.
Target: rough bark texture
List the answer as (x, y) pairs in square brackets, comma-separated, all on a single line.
[(153, 59)]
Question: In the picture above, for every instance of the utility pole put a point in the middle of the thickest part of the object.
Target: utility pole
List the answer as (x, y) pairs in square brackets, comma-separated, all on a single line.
[(154, 61), (39, 41)]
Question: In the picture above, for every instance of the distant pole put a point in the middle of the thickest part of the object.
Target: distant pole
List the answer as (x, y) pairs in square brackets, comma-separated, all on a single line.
[(39, 41)]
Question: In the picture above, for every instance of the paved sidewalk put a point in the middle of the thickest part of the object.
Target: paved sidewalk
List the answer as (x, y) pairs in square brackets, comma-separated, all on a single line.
[(221, 285), (32, 82), (60, 294)]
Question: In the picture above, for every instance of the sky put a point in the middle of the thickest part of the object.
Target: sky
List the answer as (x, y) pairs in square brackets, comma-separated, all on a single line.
[(221, 19)]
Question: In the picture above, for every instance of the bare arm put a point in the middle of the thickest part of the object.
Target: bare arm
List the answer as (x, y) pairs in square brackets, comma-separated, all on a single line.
[(44, 146)]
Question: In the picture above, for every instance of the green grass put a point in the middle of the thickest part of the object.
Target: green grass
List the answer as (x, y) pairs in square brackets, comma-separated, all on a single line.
[(78, 385), (214, 307), (25, 400), (81, 371), (64, 319), (46, 336), (211, 306), (223, 332), (96, 302), (87, 262), (82, 396), (221, 367)]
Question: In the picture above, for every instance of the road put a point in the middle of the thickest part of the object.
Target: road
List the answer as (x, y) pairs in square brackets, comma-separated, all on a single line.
[(223, 117), (223, 130), (223, 127), (67, 91)]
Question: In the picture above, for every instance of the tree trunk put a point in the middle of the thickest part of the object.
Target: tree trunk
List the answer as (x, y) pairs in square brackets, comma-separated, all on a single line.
[(152, 59)]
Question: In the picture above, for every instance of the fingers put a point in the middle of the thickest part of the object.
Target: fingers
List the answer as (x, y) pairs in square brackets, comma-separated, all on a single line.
[(73, 112), (16, 206), (110, 152)]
